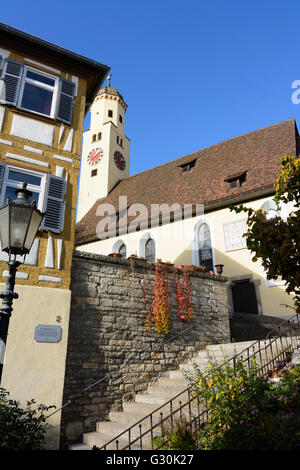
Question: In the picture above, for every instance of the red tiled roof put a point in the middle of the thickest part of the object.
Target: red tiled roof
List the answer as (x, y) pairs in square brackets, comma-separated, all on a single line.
[(258, 153)]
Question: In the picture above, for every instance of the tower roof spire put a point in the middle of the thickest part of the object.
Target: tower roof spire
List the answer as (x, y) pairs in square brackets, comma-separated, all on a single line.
[(108, 79)]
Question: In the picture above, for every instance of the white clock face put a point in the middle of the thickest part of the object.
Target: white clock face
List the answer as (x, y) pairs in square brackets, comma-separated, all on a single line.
[(95, 156)]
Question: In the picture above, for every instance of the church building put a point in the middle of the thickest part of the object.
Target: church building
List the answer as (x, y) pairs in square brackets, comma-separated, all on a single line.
[(179, 211)]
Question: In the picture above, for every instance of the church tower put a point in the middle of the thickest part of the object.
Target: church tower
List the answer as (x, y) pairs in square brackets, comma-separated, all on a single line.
[(105, 149)]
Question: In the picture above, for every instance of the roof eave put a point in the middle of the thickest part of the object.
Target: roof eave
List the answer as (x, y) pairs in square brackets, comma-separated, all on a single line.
[(93, 71)]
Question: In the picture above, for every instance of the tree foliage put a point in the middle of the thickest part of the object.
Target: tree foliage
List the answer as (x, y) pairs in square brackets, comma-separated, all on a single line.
[(276, 241)]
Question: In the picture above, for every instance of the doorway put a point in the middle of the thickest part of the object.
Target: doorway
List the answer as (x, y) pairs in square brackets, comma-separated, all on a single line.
[(244, 299)]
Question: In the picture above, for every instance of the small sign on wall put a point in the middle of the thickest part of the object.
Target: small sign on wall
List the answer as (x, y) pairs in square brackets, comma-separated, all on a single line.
[(47, 333), (233, 235)]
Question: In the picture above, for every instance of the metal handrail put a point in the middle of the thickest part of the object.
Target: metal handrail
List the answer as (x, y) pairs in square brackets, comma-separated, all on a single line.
[(264, 368), (294, 321)]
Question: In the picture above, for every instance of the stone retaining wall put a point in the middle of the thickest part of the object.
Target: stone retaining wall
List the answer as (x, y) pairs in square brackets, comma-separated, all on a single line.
[(107, 335)]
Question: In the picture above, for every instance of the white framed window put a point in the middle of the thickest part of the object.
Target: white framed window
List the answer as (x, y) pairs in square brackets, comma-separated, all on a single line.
[(205, 248), (120, 247), (38, 92), (13, 179), (203, 253), (150, 250), (47, 190)]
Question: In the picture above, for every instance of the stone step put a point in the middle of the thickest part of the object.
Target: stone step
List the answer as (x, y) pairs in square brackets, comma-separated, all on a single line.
[(167, 382), (113, 428), (162, 412), (127, 417), (166, 389), (79, 446), (176, 374), (161, 395), (99, 440)]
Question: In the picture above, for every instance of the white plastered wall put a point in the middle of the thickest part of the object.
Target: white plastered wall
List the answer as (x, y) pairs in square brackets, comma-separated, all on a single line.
[(36, 370)]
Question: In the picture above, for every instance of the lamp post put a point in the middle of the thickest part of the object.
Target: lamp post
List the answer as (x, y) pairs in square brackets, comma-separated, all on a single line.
[(19, 223)]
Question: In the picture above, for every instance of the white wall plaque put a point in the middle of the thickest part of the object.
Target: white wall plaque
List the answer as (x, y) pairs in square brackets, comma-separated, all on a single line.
[(233, 235), (47, 333)]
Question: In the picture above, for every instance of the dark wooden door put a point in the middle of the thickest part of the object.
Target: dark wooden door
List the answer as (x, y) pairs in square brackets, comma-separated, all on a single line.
[(244, 297)]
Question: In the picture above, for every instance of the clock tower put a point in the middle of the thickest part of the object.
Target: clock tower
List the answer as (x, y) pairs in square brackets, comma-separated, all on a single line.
[(105, 149)]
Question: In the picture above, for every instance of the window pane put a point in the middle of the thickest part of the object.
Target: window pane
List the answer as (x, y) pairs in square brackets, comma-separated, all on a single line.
[(40, 78), (22, 177), (150, 251), (205, 251), (122, 250), (10, 192), (37, 99)]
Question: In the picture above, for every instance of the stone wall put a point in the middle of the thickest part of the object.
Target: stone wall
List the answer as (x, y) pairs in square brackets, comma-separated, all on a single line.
[(108, 341)]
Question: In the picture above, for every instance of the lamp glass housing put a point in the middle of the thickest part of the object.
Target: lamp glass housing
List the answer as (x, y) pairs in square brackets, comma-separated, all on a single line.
[(19, 223)]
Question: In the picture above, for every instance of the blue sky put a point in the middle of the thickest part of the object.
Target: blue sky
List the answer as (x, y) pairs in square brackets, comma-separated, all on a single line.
[(193, 73)]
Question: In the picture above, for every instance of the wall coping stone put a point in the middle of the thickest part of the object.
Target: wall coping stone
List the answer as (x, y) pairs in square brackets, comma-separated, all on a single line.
[(139, 265)]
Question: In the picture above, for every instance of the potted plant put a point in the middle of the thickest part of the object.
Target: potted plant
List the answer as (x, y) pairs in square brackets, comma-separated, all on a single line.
[(115, 255), (165, 263), (219, 268), (200, 269), (135, 257)]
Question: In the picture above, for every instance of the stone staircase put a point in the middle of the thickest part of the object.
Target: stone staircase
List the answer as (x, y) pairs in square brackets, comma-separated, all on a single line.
[(158, 393)]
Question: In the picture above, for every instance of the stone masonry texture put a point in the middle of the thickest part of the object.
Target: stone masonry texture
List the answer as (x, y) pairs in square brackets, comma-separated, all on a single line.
[(110, 344)]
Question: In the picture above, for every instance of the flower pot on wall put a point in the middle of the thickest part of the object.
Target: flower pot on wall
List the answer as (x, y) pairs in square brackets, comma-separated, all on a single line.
[(136, 258), (219, 268), (115, 255)]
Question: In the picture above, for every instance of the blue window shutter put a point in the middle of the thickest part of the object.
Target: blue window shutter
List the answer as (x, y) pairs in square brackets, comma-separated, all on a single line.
[(65, 101), (10, 81), (2, 171), (54, 204)]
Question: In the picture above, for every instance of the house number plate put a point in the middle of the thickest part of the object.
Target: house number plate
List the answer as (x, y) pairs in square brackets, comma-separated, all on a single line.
[(47, 333)]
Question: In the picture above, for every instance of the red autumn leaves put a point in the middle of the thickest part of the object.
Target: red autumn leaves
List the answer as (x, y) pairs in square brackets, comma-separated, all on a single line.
[(158, 303)]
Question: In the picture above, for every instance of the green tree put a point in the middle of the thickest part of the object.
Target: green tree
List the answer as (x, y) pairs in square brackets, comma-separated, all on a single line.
[(276, 242)]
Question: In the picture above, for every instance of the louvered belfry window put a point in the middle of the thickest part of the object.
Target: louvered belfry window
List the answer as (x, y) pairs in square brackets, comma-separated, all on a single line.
[(150, 250), (36, 91)]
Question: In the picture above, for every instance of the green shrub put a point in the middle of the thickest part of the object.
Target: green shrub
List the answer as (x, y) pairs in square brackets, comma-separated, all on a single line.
[(176, 434), (21, 429)]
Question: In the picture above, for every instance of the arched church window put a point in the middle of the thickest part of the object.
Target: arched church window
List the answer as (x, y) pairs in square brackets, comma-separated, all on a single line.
[(99, 135), (122, 250), (150, 250), (205, 249), (94, 138)]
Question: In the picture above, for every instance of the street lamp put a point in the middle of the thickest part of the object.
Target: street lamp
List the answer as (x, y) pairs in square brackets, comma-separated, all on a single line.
[(19, 223)]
